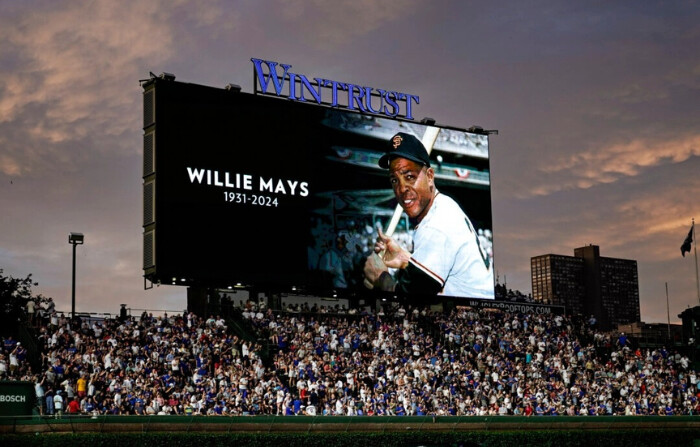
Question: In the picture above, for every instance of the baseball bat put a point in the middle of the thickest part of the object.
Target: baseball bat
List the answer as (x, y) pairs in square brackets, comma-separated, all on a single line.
[(428, 140)]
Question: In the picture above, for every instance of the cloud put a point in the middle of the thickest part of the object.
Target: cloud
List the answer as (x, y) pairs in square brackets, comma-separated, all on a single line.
[(610, 163), (327, 24), (644, 217), (69, 75), (72, 50), (8, 165)]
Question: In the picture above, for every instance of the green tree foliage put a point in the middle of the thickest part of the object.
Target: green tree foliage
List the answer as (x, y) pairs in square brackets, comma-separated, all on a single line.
[(14, 295)]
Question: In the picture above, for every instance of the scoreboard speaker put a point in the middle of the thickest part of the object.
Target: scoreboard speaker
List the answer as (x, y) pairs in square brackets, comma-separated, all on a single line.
[(149, 179)]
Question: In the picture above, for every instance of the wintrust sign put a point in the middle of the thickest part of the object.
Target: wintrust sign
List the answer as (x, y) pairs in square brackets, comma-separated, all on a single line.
[(281, 81)]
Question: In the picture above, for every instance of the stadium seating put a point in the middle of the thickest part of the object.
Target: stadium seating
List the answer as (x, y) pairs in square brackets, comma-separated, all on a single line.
[(397, 361)]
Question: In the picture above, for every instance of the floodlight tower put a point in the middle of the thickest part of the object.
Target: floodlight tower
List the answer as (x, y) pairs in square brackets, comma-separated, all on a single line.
[(74, 239)]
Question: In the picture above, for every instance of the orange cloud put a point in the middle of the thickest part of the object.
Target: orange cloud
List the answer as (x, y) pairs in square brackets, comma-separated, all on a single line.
[(608, 164), (75, 74), (9, 166)]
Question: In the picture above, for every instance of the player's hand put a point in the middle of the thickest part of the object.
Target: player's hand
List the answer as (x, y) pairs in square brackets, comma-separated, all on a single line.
[(393, 255), (374, 267), (377, 274)]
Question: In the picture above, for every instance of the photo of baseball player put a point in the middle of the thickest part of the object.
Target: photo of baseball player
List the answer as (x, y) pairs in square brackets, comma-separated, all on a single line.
[(447, 257)]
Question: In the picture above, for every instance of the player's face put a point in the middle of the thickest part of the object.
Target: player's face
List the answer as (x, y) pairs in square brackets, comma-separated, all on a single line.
[(413, 186)]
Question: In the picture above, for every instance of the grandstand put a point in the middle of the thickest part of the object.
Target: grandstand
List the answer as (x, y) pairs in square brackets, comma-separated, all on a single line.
[(321, 360)]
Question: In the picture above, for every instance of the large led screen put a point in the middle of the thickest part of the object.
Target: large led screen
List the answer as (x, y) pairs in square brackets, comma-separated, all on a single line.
[(275, 194)]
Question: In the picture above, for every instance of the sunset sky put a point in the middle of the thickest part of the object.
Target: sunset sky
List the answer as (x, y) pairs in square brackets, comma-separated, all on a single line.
[(597, 106)]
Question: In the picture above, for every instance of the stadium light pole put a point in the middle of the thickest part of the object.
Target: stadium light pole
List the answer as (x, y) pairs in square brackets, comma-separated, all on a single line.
[(74, 239)]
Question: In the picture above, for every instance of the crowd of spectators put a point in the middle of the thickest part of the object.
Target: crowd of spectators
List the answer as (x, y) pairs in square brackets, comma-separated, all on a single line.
[(326, 361), (503, 293)]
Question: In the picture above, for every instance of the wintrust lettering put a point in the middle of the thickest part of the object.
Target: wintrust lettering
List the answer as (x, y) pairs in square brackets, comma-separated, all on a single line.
[(273, 76)]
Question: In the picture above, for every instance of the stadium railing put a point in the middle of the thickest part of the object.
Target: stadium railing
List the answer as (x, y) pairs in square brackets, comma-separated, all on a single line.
[(331, 424)]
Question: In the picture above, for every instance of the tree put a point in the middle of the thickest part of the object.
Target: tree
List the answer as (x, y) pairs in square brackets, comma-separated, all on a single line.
[(14, 295)]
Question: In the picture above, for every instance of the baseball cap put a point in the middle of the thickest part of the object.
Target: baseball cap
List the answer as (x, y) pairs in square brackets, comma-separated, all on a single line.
[(403, 145)]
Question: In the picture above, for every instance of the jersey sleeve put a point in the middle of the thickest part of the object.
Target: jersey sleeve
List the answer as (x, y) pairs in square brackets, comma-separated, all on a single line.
[(430, 262), (415, 280)]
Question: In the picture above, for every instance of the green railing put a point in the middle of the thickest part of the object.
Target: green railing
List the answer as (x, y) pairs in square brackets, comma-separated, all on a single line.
[(102, 423), (200, 431)]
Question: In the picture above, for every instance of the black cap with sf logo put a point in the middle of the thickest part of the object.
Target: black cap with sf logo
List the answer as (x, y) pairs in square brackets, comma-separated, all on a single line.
[(403, 145)]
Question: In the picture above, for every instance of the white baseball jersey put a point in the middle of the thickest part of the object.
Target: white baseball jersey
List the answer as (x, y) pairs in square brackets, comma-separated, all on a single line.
[(446, 248)]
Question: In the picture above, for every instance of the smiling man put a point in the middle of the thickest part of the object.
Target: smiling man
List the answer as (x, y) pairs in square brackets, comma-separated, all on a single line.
[(447, 258)]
